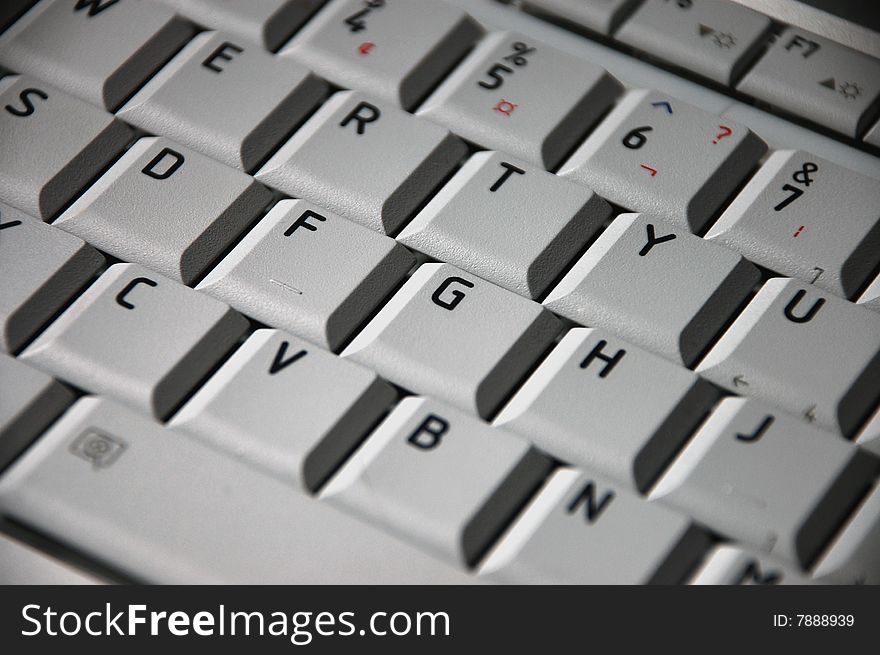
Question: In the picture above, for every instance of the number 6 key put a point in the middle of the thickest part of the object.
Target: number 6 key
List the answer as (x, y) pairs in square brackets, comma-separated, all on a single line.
[(657, 155)]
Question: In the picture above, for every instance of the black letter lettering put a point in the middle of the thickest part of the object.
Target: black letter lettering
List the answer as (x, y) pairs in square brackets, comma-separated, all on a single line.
[(510, 170), (457, 296), (427, 435), (654, 240), (303, 221), (149, 169), (28, 105), (95, 6), (220, 53), (587, 496), (355, 114), (758, 432), (279, 363), (610, 362), (811, 312), (120, 297)]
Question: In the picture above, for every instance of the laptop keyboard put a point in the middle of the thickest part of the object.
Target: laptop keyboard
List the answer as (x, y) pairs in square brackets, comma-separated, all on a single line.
[(386, 291)]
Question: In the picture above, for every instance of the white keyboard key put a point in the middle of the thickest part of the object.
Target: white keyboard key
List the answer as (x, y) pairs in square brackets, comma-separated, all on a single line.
[(581, 529), (162, 507), (41, 268), (601, 16), (483, 221), (658, 287), (818, 79), (655, 154), (53, 144), (97, 50), (228, 99), (714, 39), (365, 160), (451, 335), (522, 97), (733, 565), (268, 23), (286, 407), (166, 207), (139, 337), (870, 298), (29, 401), (396, 50), (309, 271), (780, 221), (869, 435), (766, 479), (781, 133), (438, 477), (600, 403), (854, 556), (803, 350)]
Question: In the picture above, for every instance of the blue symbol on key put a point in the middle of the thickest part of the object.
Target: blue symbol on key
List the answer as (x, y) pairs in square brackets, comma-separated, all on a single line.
[(663, 103)]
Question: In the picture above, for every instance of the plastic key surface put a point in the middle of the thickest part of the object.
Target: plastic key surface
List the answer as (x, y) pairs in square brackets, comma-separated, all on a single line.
[(41, 268), (439, 478), (310, 272), (166, 207), (453, 336), (655, 154), (365, 160), (522, 97), (733, 565), (286, 407), (137, 336)]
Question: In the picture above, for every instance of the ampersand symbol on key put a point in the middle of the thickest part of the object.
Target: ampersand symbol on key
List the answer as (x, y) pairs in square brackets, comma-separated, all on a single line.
[(802, 176)]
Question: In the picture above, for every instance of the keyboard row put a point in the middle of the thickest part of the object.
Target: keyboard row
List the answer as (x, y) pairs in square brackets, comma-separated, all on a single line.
[(432, 494)]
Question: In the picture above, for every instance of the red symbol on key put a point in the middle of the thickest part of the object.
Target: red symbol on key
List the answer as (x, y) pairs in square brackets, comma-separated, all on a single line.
[(723, 134), (648, 168), (365, 48), (505, 107), (799, 230)]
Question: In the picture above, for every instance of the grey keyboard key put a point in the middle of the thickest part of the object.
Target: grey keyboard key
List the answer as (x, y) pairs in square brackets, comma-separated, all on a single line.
[(166, 207), (734, 565), (137, 336), (854, 557), (426, 452), (660, 288), (309, 271), (803, 350), (483, 221), (729, 478), (780, 221), (268, 23), (522, 97), (226, 98), (53, 144), (872, 137), (655, 154), (601, 403), (366, 160), (162, 507), (714, 38), (601, 16), (581, 529), (29, 401), (96, 50), (286, 407), (451, 335), (396, 50), (817, 79), (41, 268), (870, 298)]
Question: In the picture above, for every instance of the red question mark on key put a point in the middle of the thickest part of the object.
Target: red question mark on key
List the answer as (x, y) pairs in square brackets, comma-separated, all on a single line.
[(725, 132)]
